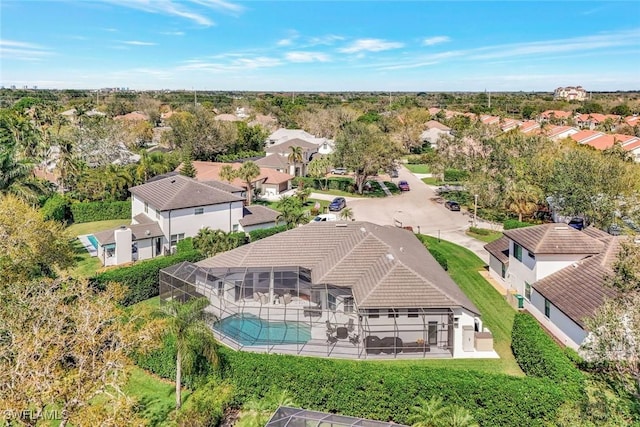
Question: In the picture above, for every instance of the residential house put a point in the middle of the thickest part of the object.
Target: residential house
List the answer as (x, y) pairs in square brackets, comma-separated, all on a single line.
[(489, 120), (593, 120), (135, 116), (557, 133), (571, 93), (282, 151), (632, 120), (434, 131), (555, 116), (509, 124), (558, 270), (357, 290), (271, 181), (603, 141), (530, 126), (167, 210), (325, 145)]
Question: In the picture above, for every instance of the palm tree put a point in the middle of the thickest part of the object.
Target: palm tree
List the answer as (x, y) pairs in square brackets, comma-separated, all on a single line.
[(346, 214), (318, 168), (211, 242), (295, 157), (460, 417), (523, 198), (291, 212), (227, 173), (117, 179), (248, 172), (188, 323), (256, 413), (150, 165), (428, 413), (303, 194), (68, 166), (16, 177)]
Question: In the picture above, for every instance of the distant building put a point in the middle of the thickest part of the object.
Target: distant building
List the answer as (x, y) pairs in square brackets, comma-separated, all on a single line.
[(570, 93)]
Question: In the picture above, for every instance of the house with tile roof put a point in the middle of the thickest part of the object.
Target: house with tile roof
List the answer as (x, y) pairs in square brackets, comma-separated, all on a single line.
[(557, 133), (433, 132), (603, 141), (357, 290), (529, 126), (555, 116), (559, 271), (278, 155), (324, 145), (167, 210)]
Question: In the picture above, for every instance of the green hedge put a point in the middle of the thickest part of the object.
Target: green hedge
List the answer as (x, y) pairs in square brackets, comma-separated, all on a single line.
[(261, 233), (539, 356), (100, 211), (510, 224), (435, 253), (480, 231), (206, 406), (342, 184), (455, 175), (56, 208), (388, 391), (142, 278)]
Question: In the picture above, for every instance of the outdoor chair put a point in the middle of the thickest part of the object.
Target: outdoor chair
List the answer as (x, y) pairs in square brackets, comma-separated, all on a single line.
[(286, 299), (351, 325), (330, 328)]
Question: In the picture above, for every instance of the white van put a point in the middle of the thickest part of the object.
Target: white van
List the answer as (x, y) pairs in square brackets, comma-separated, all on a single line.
[(325, 217)]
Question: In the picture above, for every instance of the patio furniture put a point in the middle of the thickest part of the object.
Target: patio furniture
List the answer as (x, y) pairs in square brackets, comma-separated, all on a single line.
[(416, 347), (372, 344), (391, 345), (331, 339), (286, 298), (354, 339), (342, 333), (330, 328), (351, 325)]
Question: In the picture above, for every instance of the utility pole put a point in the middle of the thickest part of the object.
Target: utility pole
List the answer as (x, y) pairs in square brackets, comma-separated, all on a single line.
[(195, 97), (475, 210)]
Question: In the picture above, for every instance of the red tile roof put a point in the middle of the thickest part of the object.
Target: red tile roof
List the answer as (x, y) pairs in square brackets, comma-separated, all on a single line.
[(585, 135), (210, 171)]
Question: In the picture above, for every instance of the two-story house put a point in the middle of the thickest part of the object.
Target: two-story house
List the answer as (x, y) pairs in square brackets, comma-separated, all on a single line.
[(168, 210), (558, 271), (278, 157), (433, 132), (324, 145)]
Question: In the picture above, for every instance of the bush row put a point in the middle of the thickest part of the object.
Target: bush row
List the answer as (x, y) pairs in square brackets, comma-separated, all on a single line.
[(510, 224), (261, 233), (206, 406), (455, 175), (480, 231), (100, 211), (387, 391), (539, 356), (142, 278), (342, 184), (435, 253)]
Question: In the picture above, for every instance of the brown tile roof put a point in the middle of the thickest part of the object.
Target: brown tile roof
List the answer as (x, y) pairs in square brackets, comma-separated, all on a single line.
[(499, 249), (138, 232), (579, 289), (273, 161), (386, 267), (177, 192), (142, 218), (295, 142), (256, 214), (210, 171), (134, 116), (223, 186), (554, 239), (431, 124)]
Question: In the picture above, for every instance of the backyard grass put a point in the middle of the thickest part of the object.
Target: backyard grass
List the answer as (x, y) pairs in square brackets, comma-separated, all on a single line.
[(94, 227), (86, 265), (497, 315), (494, 235), (418, 168), (432, 181)]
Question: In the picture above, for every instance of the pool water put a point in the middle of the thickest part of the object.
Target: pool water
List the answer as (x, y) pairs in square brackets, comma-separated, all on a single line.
[(249, 330), (93, 240)]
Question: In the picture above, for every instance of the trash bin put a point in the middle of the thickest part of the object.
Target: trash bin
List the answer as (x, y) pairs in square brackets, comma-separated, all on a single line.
[(520, 299)]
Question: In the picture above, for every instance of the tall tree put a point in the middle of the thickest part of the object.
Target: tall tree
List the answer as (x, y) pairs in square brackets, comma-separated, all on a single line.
[(227, 173), (257, 412), (187, 168), (189, 324), (318, 168), (248, 172), (151, 164), (291, 212), (16, 176), (523, 199), (68, 165), (117, 179), (295, 156), (211, 242)]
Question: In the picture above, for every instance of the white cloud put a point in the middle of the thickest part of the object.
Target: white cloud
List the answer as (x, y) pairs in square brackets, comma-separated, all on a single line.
[(173, 33), (435, 40), (237, 64), (325, 40), (307, 57), (288, 41), (12, 49), (371, 45), (138, 43)]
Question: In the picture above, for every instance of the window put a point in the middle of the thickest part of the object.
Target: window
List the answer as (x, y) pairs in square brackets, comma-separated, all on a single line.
[(547, 308), (220, 288), (393, 313), (146, 207), (373, 314), (198, 211), (504, 271), (414, 312), (527, 291), (235, 228), (531, 255), (348, 305), (456, 322), (517, 251), (175, 238), (331, 301)]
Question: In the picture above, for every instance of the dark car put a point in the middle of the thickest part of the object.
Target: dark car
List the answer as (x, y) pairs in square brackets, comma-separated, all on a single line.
[(403, 186), (338, 204), (577, 223), (451, 205)]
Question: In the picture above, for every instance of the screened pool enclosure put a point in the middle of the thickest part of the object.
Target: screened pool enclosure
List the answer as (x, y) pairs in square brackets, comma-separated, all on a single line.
[(280, 310), (293, 417)]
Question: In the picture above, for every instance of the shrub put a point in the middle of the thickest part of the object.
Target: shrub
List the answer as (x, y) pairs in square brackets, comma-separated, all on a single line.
[(510, 224), (261, 233), (388, 391), (480, 231), (442, 260), (206, 406), (539, 356), (142, 278), (455, 175), (56, 208), (100, 211)]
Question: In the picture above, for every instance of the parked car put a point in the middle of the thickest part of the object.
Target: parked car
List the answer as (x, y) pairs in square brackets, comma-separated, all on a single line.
[(393, 173), (403, 186), (577, 223), (452, 205), (338, 204), (325, 217), (339, 171)]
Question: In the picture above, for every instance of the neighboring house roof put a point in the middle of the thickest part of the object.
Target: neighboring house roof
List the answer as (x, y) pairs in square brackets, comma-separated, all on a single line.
[(605, 141), (432, 124), (136, 116), (558, 114), (210, 171), (256, 214), (555, 131), (283, 147), (227, 118), (529, 126), (489, 120), (579, 289), (554, 239), (142, 218), (223, 186), (632, 120), (178, 192), (585, 136), (280, 162), (385, 266), (499, 249), (138, 232)]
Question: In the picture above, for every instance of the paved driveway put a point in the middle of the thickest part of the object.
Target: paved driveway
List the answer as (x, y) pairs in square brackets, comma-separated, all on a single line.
[(416, 208)]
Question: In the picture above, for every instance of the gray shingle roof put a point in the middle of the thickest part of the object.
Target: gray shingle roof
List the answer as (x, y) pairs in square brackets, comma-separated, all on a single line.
[(295, 142), (499, 249), (223, 186), (138, 232), (386, 267), (579, 289), (256, 214), (273, 161), (178, 192), (554, 239)]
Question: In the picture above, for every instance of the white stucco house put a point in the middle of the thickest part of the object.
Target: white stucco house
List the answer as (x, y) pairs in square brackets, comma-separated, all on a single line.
[(434, 130), (325, 145), (559, 271), (335, 289), (167, 210), (278, 157)]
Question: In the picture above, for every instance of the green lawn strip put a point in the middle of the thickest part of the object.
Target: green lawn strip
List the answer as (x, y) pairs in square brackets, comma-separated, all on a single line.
[(432, 181), (418, 168), (495, 366), (94, 227), (497, 315), (86, 265), (336, 193), (485, 238)]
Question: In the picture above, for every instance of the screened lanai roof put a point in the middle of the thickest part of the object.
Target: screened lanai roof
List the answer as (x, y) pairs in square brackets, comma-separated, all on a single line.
[(385, 266), (292, 417)]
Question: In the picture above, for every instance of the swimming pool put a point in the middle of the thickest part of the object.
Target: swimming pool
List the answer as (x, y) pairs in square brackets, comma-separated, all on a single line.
[(92, 239), (249, 330)]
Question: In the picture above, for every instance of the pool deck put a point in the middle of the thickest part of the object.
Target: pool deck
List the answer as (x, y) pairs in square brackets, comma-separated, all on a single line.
[(84, 239)]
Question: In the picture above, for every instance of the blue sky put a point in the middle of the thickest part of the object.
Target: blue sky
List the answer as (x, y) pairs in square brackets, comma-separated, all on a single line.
[(320, 45)]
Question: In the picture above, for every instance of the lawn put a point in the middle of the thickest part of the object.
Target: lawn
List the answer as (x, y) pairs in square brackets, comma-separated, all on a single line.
[(494, 235), (497, 315), (418, 168), (432, 181), (94, 227)]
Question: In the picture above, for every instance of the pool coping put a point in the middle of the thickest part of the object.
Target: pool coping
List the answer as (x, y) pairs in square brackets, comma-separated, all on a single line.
[(84, 240)]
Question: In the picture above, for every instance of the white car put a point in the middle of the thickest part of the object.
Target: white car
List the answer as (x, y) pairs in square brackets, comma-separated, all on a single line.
[(339, 171), (325, 217)]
